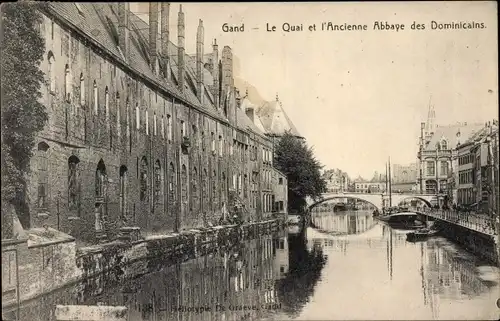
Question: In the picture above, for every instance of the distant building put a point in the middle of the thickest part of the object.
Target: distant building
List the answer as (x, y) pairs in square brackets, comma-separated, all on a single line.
[(337, 181), (436, 153), (369, 187), (477, 172), (404, 173)]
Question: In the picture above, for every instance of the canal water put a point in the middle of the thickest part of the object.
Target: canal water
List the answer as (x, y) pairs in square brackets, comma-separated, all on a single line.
[(348, 266)]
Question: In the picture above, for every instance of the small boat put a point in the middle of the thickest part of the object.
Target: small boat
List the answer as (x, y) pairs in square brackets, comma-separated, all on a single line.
[(421, 234)]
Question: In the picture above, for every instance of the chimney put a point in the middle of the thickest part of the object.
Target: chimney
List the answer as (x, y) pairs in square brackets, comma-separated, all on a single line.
[(237, 97), (199, 61), (153, 33), (216, 72), (180, 48), (250, 113), (123, 36), (165, 19), (227, 70)]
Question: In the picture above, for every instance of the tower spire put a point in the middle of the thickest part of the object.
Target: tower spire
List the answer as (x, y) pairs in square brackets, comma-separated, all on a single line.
[(431, 116)]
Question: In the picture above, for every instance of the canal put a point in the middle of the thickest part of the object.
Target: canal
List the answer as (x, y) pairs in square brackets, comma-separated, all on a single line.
[(349, 266)]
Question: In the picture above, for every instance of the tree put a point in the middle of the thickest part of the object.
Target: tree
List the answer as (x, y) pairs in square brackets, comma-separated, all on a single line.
[(23, 116), (297, 162)]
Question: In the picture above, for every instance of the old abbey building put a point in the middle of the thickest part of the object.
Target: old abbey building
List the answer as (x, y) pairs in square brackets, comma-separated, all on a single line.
[(140, 134)]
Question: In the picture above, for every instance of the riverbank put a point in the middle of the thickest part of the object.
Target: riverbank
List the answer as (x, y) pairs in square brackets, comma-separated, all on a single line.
[(45, 266)]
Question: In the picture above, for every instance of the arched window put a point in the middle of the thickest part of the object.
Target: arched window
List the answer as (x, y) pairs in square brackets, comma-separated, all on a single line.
[(123, 191), (67, 83), (158, 181), (100, 180), (42, 177), (184, 184), (106, 103), (96, 99), (82, 90), (172, 182), (52, 74), (212, 135), (137, 117), (144, 179), (146, 118), (73, 184), (444, 144)]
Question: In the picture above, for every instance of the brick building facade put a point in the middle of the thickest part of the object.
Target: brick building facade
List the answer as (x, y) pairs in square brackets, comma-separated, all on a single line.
[(140, 134)]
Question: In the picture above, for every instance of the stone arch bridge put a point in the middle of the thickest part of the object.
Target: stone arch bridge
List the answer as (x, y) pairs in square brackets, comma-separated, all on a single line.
[(379, 200)]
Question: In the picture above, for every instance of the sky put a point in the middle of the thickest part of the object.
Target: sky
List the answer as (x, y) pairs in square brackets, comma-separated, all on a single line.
[(358, 97)]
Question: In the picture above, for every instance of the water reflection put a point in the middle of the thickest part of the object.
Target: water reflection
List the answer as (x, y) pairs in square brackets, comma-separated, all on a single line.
[(349, 222), (364, 270)]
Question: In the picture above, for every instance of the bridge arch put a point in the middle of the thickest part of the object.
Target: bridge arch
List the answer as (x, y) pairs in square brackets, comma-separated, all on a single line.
[(405, 197), (377, 205)]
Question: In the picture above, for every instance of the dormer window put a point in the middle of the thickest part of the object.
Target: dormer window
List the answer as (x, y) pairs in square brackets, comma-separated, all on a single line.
[(444, 144)]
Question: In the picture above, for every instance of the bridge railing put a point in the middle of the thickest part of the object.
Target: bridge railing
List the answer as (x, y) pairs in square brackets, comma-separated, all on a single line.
[(475, 221)]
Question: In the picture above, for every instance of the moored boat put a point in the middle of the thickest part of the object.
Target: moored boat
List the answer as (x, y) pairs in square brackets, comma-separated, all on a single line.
[(421, 234)]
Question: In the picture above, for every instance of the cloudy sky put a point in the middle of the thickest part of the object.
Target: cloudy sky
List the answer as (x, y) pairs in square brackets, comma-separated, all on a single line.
[(359, 96)]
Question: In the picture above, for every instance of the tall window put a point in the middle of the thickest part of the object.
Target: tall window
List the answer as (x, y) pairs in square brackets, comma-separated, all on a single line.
[(214, 190), (162, 127), (143, 177), (184, 184), (223, 184), (183, 129), (42, 176), (137, 117), (106, 103), (67, 83), (204, 192), (155, 132), (118, 114), (52, 74), (73, 184), (194, 189), (221, 146), (444, 168), (100, 180), (245, 182), (96, 99), (158, 181), (82, 90), (169, 127), (431, 168), (123, 191), (212, 135), (146, 117), (172, 182)]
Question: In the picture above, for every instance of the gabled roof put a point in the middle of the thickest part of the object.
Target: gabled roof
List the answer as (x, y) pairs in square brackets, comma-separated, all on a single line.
[(453, 134), (275, 120)]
